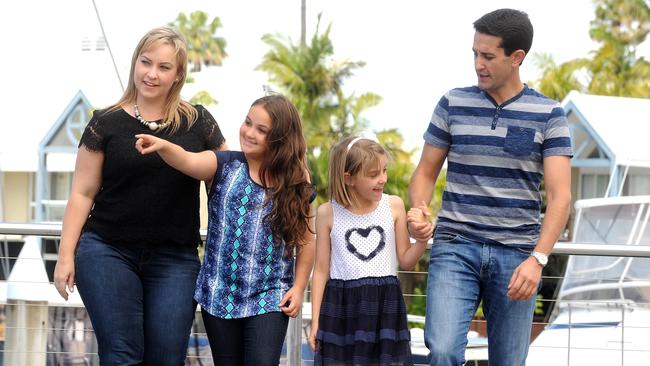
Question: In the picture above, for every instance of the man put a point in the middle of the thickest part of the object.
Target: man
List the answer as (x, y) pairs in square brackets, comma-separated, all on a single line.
[(500, 139)]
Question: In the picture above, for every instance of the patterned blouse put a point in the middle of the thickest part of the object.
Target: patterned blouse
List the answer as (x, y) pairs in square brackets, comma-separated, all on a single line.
[(244, 273)]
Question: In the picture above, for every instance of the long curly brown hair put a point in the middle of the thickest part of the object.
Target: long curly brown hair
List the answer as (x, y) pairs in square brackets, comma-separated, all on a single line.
[(285, 172)]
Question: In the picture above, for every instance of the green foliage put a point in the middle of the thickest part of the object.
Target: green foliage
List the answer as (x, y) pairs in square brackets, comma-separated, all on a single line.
[(203, 46), (539, 305), (614, 69), (418, 303), (558, 80), (400, 168), (203, 98), (312, 79)]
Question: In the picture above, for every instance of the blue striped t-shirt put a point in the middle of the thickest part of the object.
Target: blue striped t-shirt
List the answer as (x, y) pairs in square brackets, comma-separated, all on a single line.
[(495, 161)]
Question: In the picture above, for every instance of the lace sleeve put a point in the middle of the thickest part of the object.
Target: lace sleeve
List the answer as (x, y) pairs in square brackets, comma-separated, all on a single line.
[(93, 138), (211, 131)]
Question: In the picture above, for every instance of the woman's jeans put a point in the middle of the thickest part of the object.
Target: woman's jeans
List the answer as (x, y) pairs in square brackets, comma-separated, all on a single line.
[(251, 341), (139, 299), (462, 272)]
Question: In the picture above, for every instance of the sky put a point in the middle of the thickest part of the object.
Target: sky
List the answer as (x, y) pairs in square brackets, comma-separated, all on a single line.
[(414, 52)]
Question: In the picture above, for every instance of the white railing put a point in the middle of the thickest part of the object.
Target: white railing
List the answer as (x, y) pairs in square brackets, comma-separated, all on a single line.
[(70, 320)]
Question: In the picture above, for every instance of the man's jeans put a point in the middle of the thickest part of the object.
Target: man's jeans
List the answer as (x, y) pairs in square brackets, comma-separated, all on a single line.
[(462, 272), (139, 300)]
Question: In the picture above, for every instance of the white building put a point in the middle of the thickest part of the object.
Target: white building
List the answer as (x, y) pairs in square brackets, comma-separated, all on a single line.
[(610, 138)]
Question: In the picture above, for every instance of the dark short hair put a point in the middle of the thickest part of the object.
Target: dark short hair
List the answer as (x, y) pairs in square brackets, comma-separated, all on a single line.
[(512, 26)]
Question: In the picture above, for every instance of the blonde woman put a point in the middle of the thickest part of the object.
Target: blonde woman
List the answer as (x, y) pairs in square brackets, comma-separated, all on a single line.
[(131, 226)]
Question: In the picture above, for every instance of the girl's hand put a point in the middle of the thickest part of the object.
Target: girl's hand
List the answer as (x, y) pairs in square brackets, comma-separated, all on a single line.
[(64, 277), (291, 302), (147, 144), (313, 342), (416, 215), (419, 226)]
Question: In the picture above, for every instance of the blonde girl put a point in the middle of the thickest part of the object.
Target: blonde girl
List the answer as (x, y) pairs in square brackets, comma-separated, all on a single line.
[(358, 312)]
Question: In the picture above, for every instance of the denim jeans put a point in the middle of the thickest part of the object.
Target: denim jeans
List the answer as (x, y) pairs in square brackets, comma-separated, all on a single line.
[(462, 272), (139, 300), (251, 341)]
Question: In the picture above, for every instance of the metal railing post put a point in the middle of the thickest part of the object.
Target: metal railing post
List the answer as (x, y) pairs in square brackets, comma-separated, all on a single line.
[(623, 336), (294, 340), (294, 333), (568, 349)]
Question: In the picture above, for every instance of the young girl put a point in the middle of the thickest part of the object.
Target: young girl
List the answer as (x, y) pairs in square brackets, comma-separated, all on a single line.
[(359, 317), (259, 212)]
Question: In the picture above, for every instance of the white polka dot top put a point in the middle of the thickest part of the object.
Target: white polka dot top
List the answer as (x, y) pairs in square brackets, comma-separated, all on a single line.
[(363, 245)]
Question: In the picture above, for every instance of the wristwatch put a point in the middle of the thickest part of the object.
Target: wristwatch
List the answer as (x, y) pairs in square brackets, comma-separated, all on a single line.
[(541, 258)]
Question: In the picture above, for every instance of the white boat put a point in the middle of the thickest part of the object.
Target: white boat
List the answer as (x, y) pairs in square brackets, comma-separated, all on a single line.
[(602, 312)]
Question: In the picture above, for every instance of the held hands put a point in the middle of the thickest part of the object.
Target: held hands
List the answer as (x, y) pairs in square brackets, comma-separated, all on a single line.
[(64, 278), (525, 279), (291, 302), (419, 224), (147, 144)]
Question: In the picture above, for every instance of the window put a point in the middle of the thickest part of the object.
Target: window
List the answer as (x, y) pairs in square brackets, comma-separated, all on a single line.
[(637, 185), (593, 185), (59, 184)]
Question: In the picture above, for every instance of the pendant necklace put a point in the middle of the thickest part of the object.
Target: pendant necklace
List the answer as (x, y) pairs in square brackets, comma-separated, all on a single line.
[(153, 126)]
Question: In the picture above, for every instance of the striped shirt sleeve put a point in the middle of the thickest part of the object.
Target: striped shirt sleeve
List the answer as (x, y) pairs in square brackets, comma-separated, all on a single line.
[(438, 133), (557, 139)]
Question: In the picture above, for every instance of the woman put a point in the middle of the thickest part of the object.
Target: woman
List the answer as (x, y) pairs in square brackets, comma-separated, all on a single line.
[(131, 226)]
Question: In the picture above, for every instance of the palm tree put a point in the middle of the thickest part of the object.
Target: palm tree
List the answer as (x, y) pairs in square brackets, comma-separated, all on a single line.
[(614, 69), (312, 80), (558, 80), (620, 25), (308, 77), (203, 47), (203, 98)]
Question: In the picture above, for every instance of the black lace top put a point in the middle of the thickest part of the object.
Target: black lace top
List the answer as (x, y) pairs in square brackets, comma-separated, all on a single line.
[(143, 201)]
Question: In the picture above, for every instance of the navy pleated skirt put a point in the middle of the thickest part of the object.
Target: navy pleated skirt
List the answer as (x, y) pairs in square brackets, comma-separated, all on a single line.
[(363, 322)]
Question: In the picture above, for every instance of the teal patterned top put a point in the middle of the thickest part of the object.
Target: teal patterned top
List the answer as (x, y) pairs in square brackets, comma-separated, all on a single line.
[(245, 272)]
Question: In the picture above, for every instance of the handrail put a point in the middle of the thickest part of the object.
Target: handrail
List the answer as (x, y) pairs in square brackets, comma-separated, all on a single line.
[(51, 229), (609, 250)]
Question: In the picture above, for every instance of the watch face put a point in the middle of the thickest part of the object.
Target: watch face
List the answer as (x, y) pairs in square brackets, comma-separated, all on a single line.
[(541, 258)]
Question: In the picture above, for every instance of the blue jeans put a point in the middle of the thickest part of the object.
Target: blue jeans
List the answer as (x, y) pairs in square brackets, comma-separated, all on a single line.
[(139, 300), (462, 272), (251, 341)]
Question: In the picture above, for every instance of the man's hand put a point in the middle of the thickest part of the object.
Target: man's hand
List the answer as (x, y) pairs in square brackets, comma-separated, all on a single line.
[(525, 279)]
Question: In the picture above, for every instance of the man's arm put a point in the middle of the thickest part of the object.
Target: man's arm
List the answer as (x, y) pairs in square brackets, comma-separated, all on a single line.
[(423, 182), (557, 180)]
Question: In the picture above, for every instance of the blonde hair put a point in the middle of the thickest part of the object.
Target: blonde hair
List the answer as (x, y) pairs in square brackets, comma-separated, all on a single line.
[(362, 156), (175, 108)]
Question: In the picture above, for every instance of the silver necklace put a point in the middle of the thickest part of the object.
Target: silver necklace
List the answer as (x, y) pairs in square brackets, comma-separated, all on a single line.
[(153, 126)]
